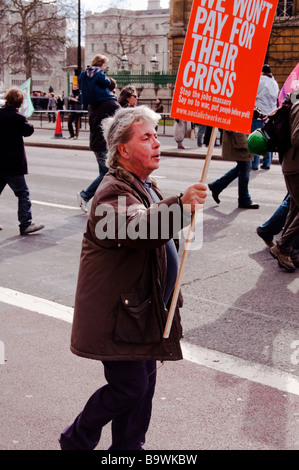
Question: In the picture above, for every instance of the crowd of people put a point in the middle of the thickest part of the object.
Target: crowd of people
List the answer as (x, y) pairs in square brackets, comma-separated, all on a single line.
[(124, 330)]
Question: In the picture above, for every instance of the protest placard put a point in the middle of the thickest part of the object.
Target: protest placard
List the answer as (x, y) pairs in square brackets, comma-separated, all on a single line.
[(221, 62)]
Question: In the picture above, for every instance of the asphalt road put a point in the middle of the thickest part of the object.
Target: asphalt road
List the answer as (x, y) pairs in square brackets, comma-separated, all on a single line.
[(237, 387)]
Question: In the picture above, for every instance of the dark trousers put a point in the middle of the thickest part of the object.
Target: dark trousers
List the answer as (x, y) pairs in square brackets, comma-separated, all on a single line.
[(21, 191), (126, 400), (76, 118)]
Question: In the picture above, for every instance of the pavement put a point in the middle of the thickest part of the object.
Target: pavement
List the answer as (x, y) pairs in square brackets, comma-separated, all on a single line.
[(168, 145), (208, 401)]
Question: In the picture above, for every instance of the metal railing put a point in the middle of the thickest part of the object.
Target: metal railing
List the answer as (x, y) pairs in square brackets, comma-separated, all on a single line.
[(165, 125)]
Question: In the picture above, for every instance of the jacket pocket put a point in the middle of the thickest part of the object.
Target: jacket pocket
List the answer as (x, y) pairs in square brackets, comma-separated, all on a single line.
[(136, 320)]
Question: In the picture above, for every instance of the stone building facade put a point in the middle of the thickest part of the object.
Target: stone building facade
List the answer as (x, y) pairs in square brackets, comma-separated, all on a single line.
[(132, 40)]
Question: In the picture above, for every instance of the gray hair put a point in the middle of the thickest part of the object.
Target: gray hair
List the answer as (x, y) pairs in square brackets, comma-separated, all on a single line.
[(119, 129)]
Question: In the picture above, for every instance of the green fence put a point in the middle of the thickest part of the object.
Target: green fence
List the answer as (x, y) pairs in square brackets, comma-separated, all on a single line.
[(158, 79)]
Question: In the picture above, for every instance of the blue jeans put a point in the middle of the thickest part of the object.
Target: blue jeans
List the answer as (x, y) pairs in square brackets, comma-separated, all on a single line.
[(242, 172), (275, 224), (89, 192), (20, 188), (267, 160), (126, 401)]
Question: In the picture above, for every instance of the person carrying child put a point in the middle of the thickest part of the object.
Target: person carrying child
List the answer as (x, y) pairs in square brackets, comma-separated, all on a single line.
[(94, 84)]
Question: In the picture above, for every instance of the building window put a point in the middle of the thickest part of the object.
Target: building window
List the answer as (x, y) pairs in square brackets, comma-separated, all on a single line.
[(143, 27), (142, 49), (105, 25), (92, 47), (157, 48), (284, 8), (157, 26)]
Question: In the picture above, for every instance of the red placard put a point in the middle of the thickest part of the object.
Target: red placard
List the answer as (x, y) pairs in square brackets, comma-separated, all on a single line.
[(221, 62)]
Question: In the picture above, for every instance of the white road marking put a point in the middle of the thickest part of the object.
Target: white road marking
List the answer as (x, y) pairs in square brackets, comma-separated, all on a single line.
[(59, 206), (215, 360), (36, 304)]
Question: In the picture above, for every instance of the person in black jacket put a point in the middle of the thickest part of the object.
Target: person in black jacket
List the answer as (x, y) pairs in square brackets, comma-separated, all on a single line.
[(13, 162), (97, 112)]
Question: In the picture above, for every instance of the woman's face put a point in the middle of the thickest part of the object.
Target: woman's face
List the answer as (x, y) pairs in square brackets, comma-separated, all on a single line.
[(132, 101)]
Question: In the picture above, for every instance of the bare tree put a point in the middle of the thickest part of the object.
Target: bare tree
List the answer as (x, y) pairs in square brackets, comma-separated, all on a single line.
[(33, 33)]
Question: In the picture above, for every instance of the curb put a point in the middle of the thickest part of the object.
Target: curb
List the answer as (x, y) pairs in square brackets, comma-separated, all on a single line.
[(165, 153)]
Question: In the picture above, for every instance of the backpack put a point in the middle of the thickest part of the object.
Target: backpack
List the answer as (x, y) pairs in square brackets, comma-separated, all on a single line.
[(276, 128)]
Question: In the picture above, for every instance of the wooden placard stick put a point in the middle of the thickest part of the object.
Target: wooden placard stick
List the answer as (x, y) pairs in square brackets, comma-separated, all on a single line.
[(188, 240)]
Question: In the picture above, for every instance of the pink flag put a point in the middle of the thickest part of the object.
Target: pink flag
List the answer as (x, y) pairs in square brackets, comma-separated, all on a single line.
[(291, 83)]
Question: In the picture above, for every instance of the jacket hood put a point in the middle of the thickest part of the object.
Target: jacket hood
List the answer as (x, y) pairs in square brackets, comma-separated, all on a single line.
[(92, 71)]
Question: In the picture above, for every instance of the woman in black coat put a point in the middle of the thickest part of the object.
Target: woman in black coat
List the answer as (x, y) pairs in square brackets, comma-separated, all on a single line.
[(13, 162)]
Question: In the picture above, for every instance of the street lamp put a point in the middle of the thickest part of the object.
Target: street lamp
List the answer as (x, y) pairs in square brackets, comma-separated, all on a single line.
[(79, 39), (155, 63), (124, 62)]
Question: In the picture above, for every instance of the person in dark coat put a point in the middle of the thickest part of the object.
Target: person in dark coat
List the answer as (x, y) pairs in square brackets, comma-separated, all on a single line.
[(234, 148), (13, 162), (96, 113), (74, 118), (125, 284)]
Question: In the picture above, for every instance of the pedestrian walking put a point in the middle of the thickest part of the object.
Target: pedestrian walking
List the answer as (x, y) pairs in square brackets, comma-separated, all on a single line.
[(266, 102), (74, 117), (97, 143), (125, 283), (52, 105), (284, 251), (13, 162), (234, 148)]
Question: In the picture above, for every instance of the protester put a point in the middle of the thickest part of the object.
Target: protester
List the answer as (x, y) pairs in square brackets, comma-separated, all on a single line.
[(75, 105), (283, 251), (128, 97), (13, 162), (234, 148), (125, 282), (266, 102), (97, 112)]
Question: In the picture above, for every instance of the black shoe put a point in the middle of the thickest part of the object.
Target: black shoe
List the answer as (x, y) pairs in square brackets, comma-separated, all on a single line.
[(265, 167), (269, 243), (253, 168), (214, 195), (250, 205)]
